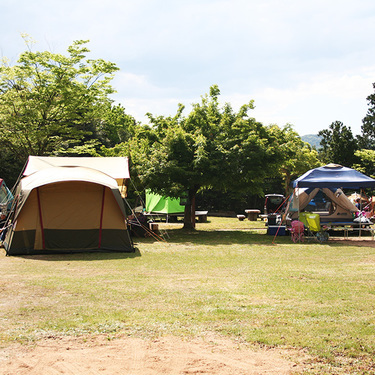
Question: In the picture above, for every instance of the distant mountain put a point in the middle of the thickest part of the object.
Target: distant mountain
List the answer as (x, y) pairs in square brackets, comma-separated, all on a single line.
[(313, 140)]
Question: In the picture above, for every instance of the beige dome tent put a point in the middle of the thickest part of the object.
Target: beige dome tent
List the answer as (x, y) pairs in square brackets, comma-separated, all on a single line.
[(69, 204)]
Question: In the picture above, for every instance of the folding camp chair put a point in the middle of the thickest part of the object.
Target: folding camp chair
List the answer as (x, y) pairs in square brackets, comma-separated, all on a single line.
[(312, 225), (297, 231)]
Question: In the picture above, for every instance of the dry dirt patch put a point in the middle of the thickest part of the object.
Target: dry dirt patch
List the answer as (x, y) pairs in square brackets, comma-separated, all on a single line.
[(136, 356)]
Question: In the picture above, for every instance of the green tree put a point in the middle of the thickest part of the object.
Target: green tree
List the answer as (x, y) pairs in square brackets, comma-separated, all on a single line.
[(367, 138), (295, 156), (10, 167), (113, 128), (116, 126), (50, 103), (366, 162), (212, 148), (338, 145)]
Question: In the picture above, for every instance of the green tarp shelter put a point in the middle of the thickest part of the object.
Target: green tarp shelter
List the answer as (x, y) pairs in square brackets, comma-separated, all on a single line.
[(164, 205)]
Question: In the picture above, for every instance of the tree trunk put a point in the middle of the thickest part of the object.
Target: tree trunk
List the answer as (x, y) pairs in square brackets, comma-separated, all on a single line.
[(287, 183), (189, 217)]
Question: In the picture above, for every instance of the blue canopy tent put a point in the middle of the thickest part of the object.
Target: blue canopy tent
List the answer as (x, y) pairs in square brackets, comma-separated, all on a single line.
[(331, 179), (334, 176)]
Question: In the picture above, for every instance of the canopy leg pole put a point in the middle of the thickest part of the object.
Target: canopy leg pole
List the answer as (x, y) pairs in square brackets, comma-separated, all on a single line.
[(295, 196)]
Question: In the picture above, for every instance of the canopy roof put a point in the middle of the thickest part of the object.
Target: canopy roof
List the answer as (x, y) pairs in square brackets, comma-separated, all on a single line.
[(334, 176), (115, 167)]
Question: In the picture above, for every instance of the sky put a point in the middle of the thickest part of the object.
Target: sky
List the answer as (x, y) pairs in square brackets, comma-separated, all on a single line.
[(306, 63)]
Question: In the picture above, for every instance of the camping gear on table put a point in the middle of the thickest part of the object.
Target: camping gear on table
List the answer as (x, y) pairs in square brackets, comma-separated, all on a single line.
[(311, 222)]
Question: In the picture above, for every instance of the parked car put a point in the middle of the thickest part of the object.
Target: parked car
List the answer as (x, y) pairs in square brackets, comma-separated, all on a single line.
[(274, 203)]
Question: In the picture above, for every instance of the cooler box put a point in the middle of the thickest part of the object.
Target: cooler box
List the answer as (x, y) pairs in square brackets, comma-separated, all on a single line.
[(272, 230)]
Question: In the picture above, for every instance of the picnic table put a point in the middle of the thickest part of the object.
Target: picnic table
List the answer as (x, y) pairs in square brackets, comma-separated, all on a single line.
[(252, 214), (201, 216)]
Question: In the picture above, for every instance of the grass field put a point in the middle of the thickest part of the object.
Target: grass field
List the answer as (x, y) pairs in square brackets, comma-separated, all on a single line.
[(227, 277)]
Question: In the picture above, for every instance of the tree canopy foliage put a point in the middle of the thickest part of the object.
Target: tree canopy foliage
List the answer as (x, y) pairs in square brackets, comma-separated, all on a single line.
[(338, 145), (341, 147), (55, 104), (51, 102), (367, 139), (213, 147), (295, 156)]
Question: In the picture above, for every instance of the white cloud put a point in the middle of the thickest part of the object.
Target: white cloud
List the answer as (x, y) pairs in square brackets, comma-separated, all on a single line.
[(138, 107), (308, 62), (331, 97), (313, 105)]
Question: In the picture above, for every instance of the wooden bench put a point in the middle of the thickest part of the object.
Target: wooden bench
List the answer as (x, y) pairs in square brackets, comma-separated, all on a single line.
[(200, 215)]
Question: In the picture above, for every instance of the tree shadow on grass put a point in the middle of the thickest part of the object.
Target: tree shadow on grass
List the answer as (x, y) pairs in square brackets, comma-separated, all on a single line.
[(250, 237), (227, 237), (83, 256)]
